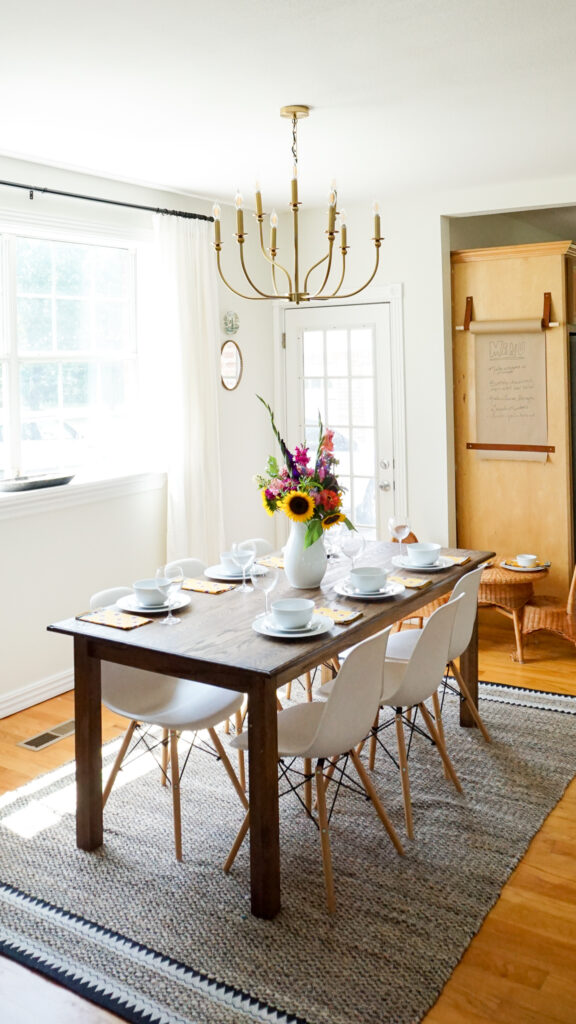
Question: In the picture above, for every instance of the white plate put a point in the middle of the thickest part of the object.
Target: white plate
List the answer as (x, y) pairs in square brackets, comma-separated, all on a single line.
[(346, 589), (130, 604), (403, 563), (218, 572), (522, 568), (320, 624)]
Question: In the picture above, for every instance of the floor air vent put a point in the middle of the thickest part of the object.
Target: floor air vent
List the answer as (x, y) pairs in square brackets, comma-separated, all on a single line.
[(44, 739)]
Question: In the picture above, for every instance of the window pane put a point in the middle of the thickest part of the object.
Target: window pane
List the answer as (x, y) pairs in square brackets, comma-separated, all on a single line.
[(364, 452), (110, 325), (111, 272), (362, 402), (33, 267), (72, 325), (76, 381), (361, 352), (34, 325), (342, 450), (338, 411), (344, 482), (314, 401), (39, 386), (72, 269), (313, 343), (336, 353)]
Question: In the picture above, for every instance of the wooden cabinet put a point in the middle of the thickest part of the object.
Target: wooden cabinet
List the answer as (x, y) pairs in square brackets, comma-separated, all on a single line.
[(513, 506)]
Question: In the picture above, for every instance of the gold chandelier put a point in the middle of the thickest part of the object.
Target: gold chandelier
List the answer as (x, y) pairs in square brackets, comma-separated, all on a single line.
[(293, 291)]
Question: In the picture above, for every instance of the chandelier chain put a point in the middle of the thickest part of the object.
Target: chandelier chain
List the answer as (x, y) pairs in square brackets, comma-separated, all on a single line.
[(295, 139)]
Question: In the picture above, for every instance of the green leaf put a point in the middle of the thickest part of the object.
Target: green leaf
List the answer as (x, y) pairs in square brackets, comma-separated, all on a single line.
[(313, 532), (347, 523), (272, 466)]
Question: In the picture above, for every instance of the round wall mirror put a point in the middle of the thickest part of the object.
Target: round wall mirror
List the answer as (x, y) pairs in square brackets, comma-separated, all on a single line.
[(230, 365)]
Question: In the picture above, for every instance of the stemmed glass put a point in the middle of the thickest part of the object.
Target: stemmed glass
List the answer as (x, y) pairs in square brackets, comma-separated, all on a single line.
[(265, 581), (243, 556), (352, 544), (169, 579), (399, 527)]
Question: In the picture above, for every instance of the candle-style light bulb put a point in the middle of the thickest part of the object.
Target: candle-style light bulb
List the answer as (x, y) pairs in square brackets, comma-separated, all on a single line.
[(331, 209), (239, 214), (273, 227), (216, 215), (343, 230), (376, 212), (258, 199)]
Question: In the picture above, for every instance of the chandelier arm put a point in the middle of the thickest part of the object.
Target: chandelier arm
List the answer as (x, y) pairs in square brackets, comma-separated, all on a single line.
[(264, 295), (257, 298), (328, 269), (341, 281), (313, 267), (323, 298), (273, 263)]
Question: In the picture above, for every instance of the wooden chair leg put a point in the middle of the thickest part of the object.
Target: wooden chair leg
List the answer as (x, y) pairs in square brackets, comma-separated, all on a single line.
[(165, 756), (373, 742), (227, 726), (517, 620), (439, 722), (241, 765), (324, 838), (441, 746), (308, 785), (471, 705), (226, 762), (175, 778), (365, 779), (119, 758), (288, 691), (308, 682), (404, 775), (237, 843)]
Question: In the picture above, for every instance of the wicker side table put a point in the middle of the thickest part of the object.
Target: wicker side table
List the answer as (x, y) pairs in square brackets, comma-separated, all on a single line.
[(508, 591)]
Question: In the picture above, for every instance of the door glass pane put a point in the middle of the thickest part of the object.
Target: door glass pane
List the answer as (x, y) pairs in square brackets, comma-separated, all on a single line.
[(338, 404), (362, 352), (342, 450), (314, 401), (336, 353), (364, 502), (362, 396), (313, 353)]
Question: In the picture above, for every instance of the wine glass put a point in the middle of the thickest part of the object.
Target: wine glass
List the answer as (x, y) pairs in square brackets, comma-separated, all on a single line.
[(243, 555), (352, 545), (169, 579), (265, 581), (399, 527)]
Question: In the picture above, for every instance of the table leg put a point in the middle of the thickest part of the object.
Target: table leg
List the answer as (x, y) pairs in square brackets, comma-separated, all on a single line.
[(264, 818), (469, 670), (517, 616), (88, 738)]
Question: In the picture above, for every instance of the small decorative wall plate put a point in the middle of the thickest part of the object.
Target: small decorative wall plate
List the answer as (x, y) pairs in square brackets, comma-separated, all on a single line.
[(231, 322)]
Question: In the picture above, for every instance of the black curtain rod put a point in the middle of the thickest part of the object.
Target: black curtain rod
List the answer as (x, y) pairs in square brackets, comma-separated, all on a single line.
[(31, 189)]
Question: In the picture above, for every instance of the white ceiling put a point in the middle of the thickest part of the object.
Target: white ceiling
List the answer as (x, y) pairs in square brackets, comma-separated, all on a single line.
[(406, 94)]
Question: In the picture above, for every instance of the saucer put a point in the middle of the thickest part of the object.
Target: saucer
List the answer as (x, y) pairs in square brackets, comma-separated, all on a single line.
[(130, 604), (218, 572), (403, 563), (263, 624), (346, 589), (525, 568)]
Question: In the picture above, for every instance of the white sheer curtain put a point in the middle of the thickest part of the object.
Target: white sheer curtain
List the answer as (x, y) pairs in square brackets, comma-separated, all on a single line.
[(188, 347)]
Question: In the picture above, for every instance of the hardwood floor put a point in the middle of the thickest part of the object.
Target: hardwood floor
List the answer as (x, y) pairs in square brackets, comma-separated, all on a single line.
[(519, 969)]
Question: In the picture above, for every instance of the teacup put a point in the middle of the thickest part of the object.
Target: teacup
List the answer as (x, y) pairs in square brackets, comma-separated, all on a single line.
[(423, 554), (292, 612), (527, 561), (147, 593), (368, 579), (227, 562)]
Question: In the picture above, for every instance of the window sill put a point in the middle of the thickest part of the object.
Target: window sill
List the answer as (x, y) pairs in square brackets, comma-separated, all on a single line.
[(13, 505)]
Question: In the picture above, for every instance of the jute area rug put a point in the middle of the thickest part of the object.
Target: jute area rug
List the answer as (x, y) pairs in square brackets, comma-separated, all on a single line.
[(167, 943)]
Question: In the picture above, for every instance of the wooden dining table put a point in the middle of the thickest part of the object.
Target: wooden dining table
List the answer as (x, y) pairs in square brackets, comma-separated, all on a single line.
[(215, 643)]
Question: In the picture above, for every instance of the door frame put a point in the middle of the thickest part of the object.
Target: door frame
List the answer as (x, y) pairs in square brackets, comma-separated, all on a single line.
[(391, 295)]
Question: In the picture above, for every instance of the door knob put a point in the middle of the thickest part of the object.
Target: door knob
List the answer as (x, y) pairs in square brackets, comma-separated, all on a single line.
[(385, 485)]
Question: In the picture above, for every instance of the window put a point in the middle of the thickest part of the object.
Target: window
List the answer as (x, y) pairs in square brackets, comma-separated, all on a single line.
[(68, 369)]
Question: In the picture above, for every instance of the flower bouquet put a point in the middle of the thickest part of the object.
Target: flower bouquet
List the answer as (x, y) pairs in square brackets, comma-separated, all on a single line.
[(306, 490)]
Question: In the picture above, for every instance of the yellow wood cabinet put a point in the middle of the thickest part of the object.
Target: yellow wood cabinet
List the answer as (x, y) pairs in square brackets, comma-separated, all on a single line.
[(516, 506)]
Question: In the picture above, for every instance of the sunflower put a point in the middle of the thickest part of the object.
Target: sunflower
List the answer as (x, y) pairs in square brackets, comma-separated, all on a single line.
[(332, 520), (298, 506), (266, 503)]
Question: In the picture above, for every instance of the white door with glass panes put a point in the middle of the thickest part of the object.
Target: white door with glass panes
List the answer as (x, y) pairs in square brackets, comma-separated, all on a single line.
[(338, 366)]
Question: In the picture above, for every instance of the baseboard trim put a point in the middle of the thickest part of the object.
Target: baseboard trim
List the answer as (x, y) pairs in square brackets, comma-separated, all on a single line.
[(35, 693)]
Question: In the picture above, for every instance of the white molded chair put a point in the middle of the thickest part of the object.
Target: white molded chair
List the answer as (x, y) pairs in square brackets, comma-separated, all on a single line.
[(407, 685), (260, 546), (331, 730), (175, 705), (192, 568), (401, 645)]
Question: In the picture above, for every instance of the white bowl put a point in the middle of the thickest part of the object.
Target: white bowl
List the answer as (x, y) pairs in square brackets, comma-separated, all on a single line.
[(147, 593), (227, 562), (368, 578), (423, 554), (292, 612), (527, 561)]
